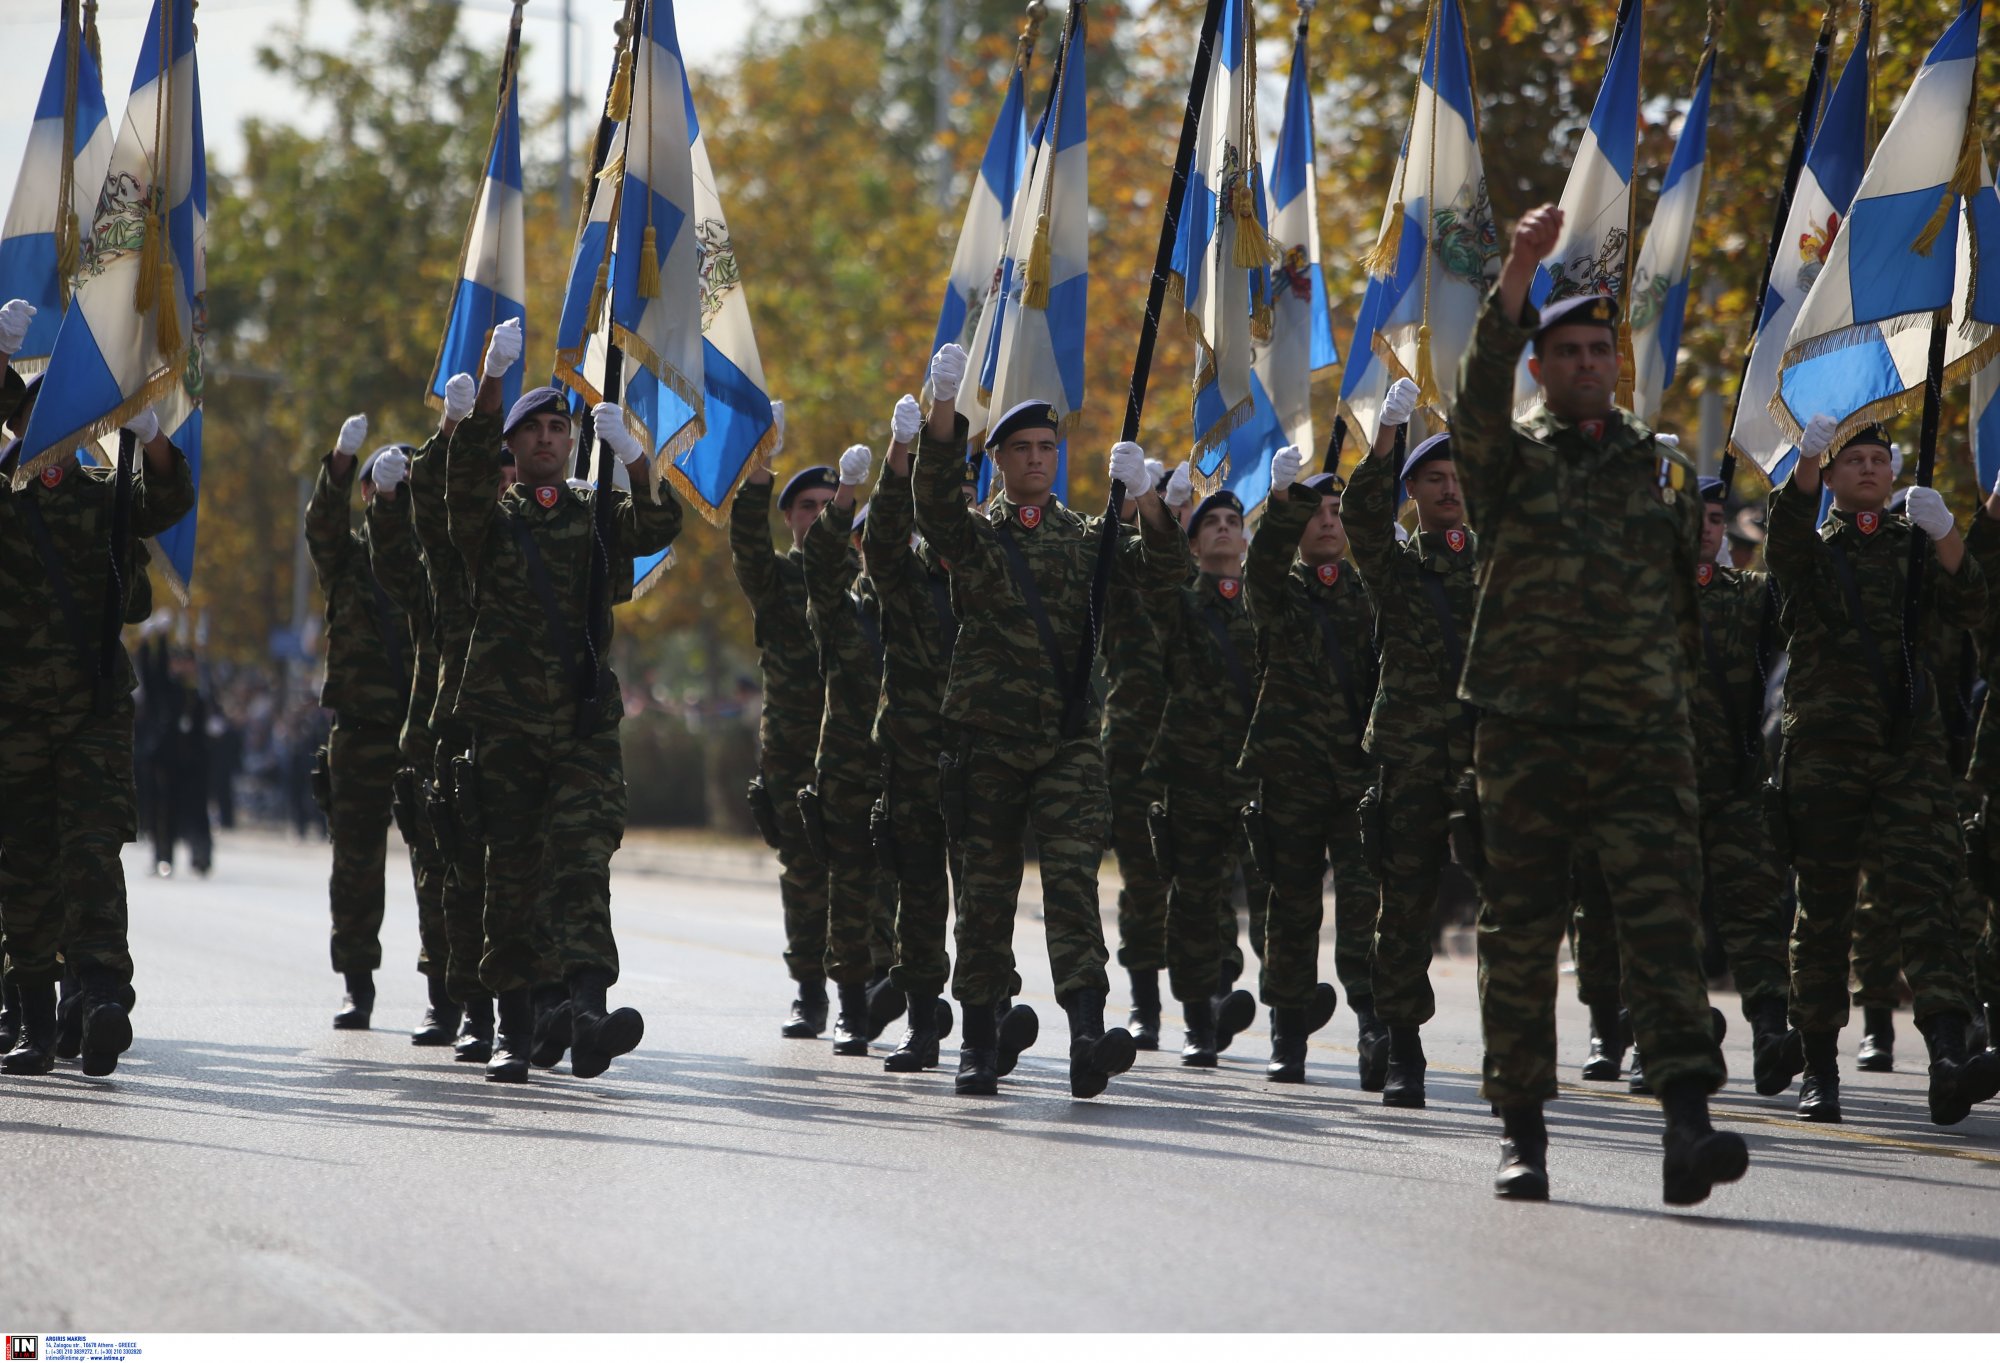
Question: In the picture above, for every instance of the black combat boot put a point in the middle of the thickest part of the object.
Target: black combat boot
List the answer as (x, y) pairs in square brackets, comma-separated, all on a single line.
[(516, 1032), (599, 1033), (1289, 1031), (1371, 1039), (850, 1028), (107, 1027), (1095, 1054), (1144, 1021), (1524, 1155), (1405, 1086), (1878, 1041), (808, 1017), (1199, 1051), (1776, 1051), (69, 1017), (358, 1005), (978, 1052), (1017, 1027), (1636, 1083), (885, 1004), (1607, 1044), (1698, 1156), (474, 1043), (1979, 1036), (440, 1022), (34, 1051), (10, 1016), (554, 1025), (918, 1049), (1234, 1010), (1819, 1095)]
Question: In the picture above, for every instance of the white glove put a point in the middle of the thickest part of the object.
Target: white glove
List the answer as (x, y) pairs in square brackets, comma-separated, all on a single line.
[(1895, 461), (1155, 470), (144, 426), (1285, 466), (1818, 437), (907, 420), (504, 348), (459, 393), (1401, 404), (1180, 488), (1128, 468), (353, 433), (1672, 442), (14, 319), (609, 419), (390, 470), (854, 462), (947, 371), (778, 425), (1927, 511)]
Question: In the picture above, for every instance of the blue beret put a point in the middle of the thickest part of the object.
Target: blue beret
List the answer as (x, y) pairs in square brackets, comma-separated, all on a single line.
[(808, 480), (532, 404), (1437, 447), (1874, 433), (1033, 415), (1713, 490), (1326, 484), (1224, 500), (1584, 310)]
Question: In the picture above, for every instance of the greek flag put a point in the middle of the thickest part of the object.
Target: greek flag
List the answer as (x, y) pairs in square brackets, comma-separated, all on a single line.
[(1658, 304), (989, 210), (1986, 424), (1438, 248), (984, 351), (493, 264), (41, 237), (1859, 350), (1827, 181)]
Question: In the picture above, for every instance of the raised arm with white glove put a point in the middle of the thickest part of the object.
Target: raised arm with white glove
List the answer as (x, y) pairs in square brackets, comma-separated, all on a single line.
[(460, 392), (353, 434), (854, 462), (609, 420), (15, 315), (503, 349), (389, 470), (1401, 403), (1128, 468), (1180, 487), (906, 421), (947, 371), (1285, 466), (1927, 511)]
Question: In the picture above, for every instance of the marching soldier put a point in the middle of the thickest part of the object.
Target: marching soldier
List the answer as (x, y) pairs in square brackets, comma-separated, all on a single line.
[(1420, 732), (1865, 770), (1577, 659), (548, 778), (1314, 631)]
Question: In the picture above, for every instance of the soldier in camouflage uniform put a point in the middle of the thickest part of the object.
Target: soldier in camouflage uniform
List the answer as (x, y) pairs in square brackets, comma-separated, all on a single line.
[(1865, 772), (67, 799), (1419, 732), (549, 784), (1578, 662), (1315, 628), (788, 727), (1027, 749)]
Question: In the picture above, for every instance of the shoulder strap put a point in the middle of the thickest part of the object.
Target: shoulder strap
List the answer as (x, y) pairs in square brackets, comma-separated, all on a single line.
[(947, 622), (545, 592), (1454, 651), (1344, 670), (1232, 659), (79, 638), (1024, 579), (1871, 653)]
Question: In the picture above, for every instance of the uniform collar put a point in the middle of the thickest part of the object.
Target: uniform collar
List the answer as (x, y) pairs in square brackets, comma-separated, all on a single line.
[(1326, 576), (1227, 587), (1026, 517), (1447, 549), (1622, 429), (1860, 525)]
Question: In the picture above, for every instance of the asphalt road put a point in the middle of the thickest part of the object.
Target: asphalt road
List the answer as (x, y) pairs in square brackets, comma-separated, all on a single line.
[(248, 1168)]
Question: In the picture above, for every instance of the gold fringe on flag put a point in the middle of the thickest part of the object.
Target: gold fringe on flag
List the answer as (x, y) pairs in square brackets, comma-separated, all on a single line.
[(1964, 181), (1381, 260)]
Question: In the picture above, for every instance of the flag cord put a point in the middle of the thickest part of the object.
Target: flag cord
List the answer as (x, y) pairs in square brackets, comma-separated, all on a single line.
[(68, 249), (1427, 385), (1035, 294), (1382, 259)]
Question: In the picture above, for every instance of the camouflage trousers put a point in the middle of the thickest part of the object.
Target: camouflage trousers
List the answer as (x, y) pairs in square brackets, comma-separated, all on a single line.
[(1851, 805), (67, 805), (1593, 934), (1629, 795), (801, 874), (1875, 958), (1057, 788), (427, 876), (462, 886), (363, 759), (860, 933), (1416, 804), (554, 812), (925, 868), (1210, 847), (1142, 899), (1312, 824)]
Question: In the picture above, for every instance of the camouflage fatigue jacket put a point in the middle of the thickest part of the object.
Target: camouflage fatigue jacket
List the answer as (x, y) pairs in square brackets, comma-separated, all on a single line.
[(847, 625), (775, 583), (368, 646), (515, 677), (1209, 704), (1586, 614), (40, 666), (450, 583), (1831, 690), (1982, 541), (913, 591), (1002, 680), (1728, 703), (1417, 711), (1135, 672), (1302, 721), (399, 566)]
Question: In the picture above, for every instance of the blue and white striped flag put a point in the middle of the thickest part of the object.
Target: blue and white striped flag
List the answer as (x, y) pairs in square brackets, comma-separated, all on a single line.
[(41, 228), (1859, 350), (493, 264), (1438, 249), (1832, 172), (1658, 305), (989, 209), (984, 350), (1985, 422)]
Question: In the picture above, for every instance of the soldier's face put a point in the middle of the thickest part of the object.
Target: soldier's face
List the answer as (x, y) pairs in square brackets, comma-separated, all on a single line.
[(1325, 537), (1714, 525), (1861, 478), (1028, 462), (540, 447), (1577, 368), (1219, 540), (1434, 490), (804, 510)]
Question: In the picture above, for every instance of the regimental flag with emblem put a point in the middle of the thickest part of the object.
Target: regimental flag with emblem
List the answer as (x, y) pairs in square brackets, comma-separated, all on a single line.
[(1985, 421), (1439, 248), (1594, 252), (493, 263), (1827, 181), (55, 195), (1658, 305), (1905, 259)]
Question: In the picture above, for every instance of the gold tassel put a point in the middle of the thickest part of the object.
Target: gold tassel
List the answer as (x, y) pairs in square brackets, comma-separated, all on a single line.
[(1037, 294), (167, 318), (69, 252), (1427, 383), (1262, 323), (598, 292), (1252, 250), (649, 264), (147, 287), (618, 104), (1964, 181), (1382, 259)]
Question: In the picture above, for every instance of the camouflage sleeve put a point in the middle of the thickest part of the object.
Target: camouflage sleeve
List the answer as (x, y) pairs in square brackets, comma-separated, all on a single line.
[(470, 510), (424, 489), (750, 552), (1165, 563), (158, 503), (937, 480), (139, 591), (645, 525), (1791, 544), (1268, 571), (1482, 417), (1368, 510), (1982, 541), (328, 539), (885, 535), (392, 552), (1960, 596), (828, 574)]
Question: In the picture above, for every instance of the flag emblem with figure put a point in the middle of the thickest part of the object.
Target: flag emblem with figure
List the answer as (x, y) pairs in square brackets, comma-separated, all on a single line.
[(1660, 279)]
